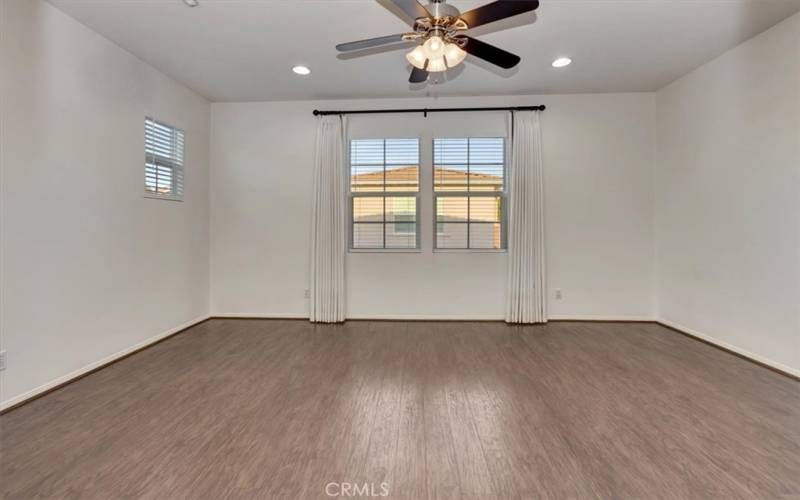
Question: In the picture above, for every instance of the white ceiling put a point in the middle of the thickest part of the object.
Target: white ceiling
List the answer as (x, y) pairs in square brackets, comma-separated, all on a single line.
[(242, 50)]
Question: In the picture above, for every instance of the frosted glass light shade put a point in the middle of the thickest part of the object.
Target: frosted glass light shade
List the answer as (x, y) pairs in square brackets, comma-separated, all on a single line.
[(438, 54), (434, 47), (454, 54), (436, 65), (417, 57)]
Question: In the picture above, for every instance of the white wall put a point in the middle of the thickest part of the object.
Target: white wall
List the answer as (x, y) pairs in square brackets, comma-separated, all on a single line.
[(598, 156), (90, 268), (728, 198)]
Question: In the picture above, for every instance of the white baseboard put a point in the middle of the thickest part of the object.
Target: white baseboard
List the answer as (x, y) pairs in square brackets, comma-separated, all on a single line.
[(713, 340), (376, 317), (261, 315), (432, 317), (427, 317), (578, 317), (108, 359)]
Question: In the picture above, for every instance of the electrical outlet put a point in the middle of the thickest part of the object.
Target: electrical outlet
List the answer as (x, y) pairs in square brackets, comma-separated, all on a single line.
[(307, 293), (2, 360), (558, 294)]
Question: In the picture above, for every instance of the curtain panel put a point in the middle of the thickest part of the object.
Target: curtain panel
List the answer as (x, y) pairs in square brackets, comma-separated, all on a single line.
[(526, 250), (328, 223)]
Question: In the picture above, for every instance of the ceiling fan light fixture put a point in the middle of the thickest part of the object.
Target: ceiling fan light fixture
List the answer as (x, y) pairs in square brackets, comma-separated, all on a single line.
[(302, 70), (436, 65), (433, 47), (454, 54), (442, 31), (417, 57)]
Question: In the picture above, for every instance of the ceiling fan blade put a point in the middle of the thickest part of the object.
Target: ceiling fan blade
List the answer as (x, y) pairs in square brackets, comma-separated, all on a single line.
[(418, 75), (498, 10), (411, 8), (369, 43), (490, 53)]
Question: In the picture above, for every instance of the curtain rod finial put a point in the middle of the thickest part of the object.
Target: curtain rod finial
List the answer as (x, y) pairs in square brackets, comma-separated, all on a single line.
[(316, 112)]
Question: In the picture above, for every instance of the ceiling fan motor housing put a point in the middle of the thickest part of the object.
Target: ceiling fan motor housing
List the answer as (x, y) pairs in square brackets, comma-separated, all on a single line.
[(444, 21), (441, 10)]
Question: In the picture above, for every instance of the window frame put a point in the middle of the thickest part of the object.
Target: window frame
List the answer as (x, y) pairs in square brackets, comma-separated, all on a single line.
[(178, 171), (383, 194), (503, 195)]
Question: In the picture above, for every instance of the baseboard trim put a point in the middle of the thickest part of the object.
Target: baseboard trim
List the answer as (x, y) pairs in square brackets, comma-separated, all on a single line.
[(425, 317), (605, 319), (434, 317), (259, 316), (78, 374), (731, 349), (367, 317)]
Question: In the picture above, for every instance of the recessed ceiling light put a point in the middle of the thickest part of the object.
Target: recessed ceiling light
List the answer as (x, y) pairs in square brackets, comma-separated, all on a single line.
[(192, 3), (561, 62), (302, 70)]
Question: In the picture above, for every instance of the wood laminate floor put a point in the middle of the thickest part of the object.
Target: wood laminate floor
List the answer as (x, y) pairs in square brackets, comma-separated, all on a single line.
[(280, 409)]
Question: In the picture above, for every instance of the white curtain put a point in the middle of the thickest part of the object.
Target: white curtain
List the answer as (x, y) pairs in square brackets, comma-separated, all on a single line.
[(526, 258), (328, 223)]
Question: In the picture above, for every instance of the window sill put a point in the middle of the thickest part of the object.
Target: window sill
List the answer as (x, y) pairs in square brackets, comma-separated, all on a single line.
[(470, 250), (162, 197), (384, 250)]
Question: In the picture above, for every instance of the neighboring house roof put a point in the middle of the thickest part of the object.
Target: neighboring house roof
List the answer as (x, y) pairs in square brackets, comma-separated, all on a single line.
[(404, 175)]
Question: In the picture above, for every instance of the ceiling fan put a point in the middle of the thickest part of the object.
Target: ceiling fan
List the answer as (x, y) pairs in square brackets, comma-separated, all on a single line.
[(439, 30)]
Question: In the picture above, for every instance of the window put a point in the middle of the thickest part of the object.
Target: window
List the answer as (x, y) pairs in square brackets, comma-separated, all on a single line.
[(384, 193), (163, 160), (469, 193)]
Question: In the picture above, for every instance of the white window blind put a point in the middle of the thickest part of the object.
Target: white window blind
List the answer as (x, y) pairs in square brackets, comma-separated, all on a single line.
[(163, 160), (384, 193), (469, 190)]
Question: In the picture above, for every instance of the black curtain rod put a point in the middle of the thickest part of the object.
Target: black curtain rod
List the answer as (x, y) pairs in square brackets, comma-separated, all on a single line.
[(425, 111)]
